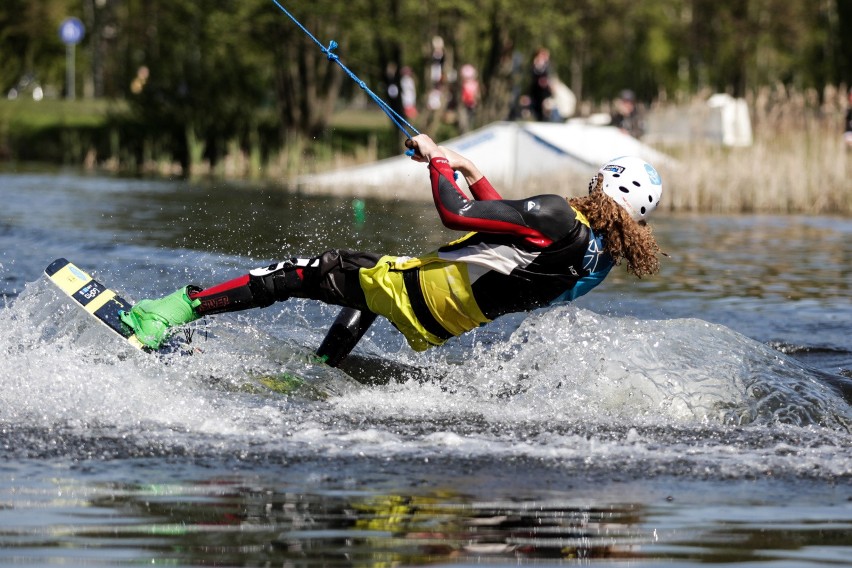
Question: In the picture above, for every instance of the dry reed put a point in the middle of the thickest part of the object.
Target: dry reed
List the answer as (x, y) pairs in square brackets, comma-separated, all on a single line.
[(798, 162)]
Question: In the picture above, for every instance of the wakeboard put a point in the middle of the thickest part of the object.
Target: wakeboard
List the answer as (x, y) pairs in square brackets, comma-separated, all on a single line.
[(97, 300), (105, 305)]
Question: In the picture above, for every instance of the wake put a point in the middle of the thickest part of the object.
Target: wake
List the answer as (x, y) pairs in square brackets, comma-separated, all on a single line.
[(570, 362), (563, 364)]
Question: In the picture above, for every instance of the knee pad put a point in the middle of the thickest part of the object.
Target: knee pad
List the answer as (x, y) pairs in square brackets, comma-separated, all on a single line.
[(277, 282)]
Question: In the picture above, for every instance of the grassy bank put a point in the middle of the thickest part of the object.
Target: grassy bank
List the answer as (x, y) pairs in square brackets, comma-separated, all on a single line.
[(797, 164), (103, 135), (25, 115), (53, 130)]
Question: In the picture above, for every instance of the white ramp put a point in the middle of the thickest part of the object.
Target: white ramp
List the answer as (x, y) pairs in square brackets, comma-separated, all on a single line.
[(510, 154)]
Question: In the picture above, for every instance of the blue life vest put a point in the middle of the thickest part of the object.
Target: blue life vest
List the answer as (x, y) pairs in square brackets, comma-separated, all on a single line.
[(597, 263)]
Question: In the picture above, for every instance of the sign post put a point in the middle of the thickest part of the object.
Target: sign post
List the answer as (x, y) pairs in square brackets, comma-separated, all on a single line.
[(71, 32)]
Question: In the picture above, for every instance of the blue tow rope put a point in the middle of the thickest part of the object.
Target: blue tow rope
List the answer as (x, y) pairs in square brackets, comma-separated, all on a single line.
[(397, 119)]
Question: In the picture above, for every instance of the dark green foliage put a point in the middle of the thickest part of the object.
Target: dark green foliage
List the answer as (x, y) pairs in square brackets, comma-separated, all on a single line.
[(221, 71)]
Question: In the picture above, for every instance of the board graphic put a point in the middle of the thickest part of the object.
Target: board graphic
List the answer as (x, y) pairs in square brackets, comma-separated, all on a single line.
[(96, 299)]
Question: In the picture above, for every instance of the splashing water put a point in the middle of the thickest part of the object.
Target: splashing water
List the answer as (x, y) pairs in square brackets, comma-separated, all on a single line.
[(567, 384), (571, 364)]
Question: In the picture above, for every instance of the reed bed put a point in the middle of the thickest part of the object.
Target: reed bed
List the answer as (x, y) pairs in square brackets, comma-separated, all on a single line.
[(798, 162)]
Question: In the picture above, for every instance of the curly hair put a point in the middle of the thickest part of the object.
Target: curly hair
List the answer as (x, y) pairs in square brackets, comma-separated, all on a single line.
[(623, 237)]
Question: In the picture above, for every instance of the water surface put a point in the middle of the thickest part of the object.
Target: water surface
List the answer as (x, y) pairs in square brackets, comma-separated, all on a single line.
[(699, 416)]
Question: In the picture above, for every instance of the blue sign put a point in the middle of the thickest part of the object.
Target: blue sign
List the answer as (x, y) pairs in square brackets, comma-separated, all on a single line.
[(71, 31)]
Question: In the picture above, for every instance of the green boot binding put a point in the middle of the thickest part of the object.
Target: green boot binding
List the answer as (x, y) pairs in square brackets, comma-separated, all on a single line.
[(151, 319)]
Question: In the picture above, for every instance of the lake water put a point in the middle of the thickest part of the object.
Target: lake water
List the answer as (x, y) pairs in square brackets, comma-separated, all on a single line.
[(701, 416)]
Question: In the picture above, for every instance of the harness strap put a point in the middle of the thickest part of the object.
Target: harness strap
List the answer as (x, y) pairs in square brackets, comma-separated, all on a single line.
[(411, 278)]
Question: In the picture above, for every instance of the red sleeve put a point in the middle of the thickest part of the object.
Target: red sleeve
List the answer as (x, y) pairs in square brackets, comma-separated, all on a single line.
[(482, 190), (488, 216)]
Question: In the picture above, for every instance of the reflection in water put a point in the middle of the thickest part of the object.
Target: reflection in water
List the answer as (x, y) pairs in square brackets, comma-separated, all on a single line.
[(227, 522), (240, 521)]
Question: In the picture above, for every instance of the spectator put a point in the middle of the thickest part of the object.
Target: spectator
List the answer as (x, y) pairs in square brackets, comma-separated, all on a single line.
[(436, 66), (392, 80), (847, 133), (409, 93), (469, 95), (540, 84), (436, 97), (625, 115)]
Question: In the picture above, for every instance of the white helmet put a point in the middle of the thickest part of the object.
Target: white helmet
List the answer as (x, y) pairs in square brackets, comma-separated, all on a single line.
[(633, 183)]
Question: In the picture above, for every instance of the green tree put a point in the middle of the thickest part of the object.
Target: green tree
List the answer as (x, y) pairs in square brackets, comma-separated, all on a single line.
[(218, 70), (200, 90), (29, 42)]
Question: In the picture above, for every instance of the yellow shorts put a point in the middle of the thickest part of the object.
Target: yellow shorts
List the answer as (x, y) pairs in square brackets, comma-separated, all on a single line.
[(386, 295)]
